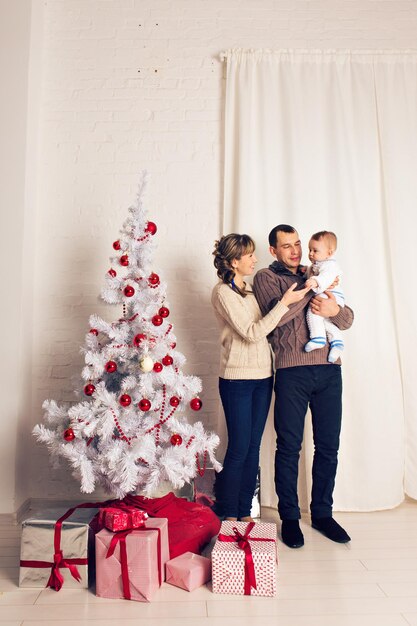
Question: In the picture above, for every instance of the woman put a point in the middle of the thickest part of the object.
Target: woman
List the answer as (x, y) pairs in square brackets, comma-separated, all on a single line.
[(246, 373)]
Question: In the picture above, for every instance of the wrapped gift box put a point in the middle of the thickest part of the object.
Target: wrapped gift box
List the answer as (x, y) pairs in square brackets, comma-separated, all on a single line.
[(231, 568), (37, 557), (203, 490), (137, 574), (188, 571), (122, 519)]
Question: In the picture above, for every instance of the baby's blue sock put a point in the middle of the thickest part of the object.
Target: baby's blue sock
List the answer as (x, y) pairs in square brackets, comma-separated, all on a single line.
[(336, 349), (315, 343)]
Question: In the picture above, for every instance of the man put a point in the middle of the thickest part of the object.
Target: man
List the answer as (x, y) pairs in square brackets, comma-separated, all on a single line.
[(302, 379)]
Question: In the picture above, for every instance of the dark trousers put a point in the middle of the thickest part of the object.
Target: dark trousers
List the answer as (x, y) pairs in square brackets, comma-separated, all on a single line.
[(246, 405), (296, 388)]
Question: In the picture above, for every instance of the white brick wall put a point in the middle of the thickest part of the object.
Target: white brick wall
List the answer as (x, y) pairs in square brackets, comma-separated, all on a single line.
[(130, 84)]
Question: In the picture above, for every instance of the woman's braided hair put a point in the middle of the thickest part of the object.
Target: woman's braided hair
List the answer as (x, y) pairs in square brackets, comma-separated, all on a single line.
[(226, 249)]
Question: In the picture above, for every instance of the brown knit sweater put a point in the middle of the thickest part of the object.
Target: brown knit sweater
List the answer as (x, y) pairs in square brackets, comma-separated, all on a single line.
[(291, 334)]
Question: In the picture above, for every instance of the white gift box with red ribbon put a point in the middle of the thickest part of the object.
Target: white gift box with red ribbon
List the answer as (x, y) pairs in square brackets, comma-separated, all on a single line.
[(244, 559)]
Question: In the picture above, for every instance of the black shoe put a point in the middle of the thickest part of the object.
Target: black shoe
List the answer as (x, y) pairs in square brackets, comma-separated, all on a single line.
[(330, 529), (291, 533)]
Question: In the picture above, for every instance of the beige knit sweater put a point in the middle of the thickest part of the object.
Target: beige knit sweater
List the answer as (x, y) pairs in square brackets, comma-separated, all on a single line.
[(245, 352)]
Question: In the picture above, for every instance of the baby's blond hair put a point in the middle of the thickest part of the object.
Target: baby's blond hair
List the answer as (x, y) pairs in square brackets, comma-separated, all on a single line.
[(329, 237)]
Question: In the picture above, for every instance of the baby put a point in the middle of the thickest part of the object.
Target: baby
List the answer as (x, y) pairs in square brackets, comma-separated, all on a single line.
[(320, 275)]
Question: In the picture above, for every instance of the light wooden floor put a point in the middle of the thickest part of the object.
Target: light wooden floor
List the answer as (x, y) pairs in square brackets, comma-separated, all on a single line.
[(370, 582)]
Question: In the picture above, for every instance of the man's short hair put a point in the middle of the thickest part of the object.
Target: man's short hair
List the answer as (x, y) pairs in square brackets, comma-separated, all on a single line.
[(329, 237), (285, 228)]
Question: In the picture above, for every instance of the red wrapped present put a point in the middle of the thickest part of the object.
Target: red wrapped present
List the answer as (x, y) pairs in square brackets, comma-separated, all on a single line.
[(125, 518), (244, 559), (188, 571), (190, 525), (130, 564)]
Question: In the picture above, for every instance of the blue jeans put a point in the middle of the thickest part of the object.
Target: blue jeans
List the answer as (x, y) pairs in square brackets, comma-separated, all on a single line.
[(319, 386), (246, 405)]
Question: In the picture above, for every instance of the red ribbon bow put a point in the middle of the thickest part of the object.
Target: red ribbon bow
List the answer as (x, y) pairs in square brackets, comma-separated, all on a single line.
[(120, 537), (243, 544)]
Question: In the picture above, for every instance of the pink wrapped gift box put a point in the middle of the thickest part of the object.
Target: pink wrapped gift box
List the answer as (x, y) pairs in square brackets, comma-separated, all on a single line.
[(238, 545), (188, 571), (135, 569), (122, 519)]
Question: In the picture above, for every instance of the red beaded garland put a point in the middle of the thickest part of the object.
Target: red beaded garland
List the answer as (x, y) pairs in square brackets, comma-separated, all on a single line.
[(125, 399), (157, 320), (144, 404), (157, 367), (176, 439), (110, 367), (137, 340), (112, 272), (196, 404), (128, 291), (124, 260), (69, 434), (93, 331), (89, 389), (174, 401), (151, 228), (116, 245), (163, 311), (167, 360), (153, 279)]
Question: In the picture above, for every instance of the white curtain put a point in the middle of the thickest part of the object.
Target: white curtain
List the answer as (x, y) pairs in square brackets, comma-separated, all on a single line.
[(328, 140)]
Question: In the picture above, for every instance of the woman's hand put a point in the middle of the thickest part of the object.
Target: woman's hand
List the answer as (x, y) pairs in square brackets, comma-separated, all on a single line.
[(291, 296)]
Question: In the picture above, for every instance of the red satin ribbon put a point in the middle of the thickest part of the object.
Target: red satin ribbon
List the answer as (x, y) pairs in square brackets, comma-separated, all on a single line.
[(120, 537), (243, 544), (56, 579)]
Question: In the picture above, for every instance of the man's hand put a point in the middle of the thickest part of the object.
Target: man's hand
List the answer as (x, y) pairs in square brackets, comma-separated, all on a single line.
[(323, 307)]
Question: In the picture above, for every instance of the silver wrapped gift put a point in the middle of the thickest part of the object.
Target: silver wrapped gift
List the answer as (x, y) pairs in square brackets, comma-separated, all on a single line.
[(37, 545), (204, 488)]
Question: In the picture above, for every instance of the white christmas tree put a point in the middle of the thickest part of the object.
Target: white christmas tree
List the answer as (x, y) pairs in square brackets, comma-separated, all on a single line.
[(130, 432)]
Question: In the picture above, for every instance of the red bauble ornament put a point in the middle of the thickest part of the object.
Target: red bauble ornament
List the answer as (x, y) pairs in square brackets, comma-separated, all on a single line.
[(151, 228), (112, 272), (69, 434), (128, 291), (153, 280), (163, 311), (94, 331), (173, 345), (110, 367), (144, 404), (125, 399), (124, 260), (157, 320), (116, 245), (196, 404), (167, 360), (174, 401), (157, 367), (137, 340), (176, 439), (89, 389)]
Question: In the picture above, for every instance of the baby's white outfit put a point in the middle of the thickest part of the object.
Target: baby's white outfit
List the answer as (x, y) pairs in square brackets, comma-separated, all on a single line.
[(325, 272)]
